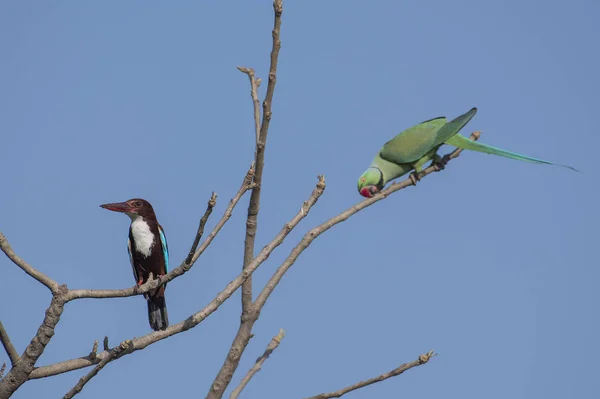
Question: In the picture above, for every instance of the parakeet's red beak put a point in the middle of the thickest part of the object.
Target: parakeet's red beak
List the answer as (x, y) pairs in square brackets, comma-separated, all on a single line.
[(369, 191)]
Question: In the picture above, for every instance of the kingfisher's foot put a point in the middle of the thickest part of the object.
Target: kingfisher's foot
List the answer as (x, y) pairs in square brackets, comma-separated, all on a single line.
[(137, 285), (439, 163), (414, 178)]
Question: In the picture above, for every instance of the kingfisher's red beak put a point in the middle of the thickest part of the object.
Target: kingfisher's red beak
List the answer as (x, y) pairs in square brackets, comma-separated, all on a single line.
[(369, 191), (119, 207)]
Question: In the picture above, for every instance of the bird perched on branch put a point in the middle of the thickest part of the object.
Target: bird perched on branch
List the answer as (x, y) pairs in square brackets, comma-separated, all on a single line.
[(148, 253), (417, 145)]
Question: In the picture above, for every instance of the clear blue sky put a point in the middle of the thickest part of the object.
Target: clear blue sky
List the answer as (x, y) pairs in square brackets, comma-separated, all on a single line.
[(492, 263)]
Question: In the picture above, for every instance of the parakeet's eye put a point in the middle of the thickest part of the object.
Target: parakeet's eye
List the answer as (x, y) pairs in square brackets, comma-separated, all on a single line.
[(362, 180)]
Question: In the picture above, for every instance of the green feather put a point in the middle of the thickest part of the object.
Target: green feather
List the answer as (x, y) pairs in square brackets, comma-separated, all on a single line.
[(453, 127), (466, 144), (413, 143), (417, 145)]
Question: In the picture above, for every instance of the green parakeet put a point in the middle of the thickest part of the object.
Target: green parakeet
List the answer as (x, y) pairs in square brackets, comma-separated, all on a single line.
[(417, 145)]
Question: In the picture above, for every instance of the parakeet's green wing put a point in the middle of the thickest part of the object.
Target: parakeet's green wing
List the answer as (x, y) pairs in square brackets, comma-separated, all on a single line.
[(454, 126), (411, 144)]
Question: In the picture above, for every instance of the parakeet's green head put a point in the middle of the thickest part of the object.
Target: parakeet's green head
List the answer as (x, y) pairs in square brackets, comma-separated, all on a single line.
[(371, 182)]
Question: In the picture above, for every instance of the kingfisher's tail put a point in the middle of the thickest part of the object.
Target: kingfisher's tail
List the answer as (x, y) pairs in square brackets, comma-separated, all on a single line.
[(157, 312)]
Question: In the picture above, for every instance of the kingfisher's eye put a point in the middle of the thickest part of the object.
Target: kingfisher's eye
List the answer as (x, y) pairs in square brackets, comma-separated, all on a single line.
[(138, 203)]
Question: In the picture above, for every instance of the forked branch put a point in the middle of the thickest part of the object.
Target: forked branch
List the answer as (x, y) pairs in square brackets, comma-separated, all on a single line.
[(249, 314), (113, 354), (317, 231), (275, 341), (192, 321)]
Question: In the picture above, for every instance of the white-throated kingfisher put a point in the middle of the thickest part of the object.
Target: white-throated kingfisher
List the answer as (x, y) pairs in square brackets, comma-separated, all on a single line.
[(148, 253)]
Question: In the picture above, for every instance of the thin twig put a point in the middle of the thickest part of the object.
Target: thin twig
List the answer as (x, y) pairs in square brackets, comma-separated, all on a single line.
[(94, 351), (254, 84), (397, 371), (258, 365), (39, 276), (209, 208), (178, 271), (317, 231), (84, 380), (13, 355)]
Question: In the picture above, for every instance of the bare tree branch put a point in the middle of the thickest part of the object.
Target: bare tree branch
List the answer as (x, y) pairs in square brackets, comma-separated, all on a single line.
[(12, 353), (249, 315), (397, 371), (317, 231), (73, 364), (261, 144), (192, 321), (258, 365), (211, 204), (253, 206), (39, 276), (67, 366), (178, 271), (116, 352), (25, 368), (21, 371)]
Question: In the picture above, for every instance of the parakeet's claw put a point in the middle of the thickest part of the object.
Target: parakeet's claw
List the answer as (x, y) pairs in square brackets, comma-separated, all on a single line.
[(439, 163), (414, 178)]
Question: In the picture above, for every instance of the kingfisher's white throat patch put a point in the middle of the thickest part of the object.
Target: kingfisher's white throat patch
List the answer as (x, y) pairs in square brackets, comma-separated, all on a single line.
[(143, 239)]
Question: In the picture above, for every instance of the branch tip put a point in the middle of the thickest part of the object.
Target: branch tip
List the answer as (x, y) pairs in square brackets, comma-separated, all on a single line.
[(105, 344), (279, 337), (209, 208), (321, 183), (424, 358), (278, 6), (94, 351)]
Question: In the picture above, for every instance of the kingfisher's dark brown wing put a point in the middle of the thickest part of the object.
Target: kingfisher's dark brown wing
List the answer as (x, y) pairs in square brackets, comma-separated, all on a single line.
[(135, 274)]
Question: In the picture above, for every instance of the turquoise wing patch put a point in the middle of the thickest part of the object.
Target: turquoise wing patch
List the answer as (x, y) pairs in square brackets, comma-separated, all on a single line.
[(165, 247)]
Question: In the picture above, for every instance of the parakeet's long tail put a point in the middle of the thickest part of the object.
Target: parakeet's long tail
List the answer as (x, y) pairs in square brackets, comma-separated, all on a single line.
[(462, 142), (157, 312)]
